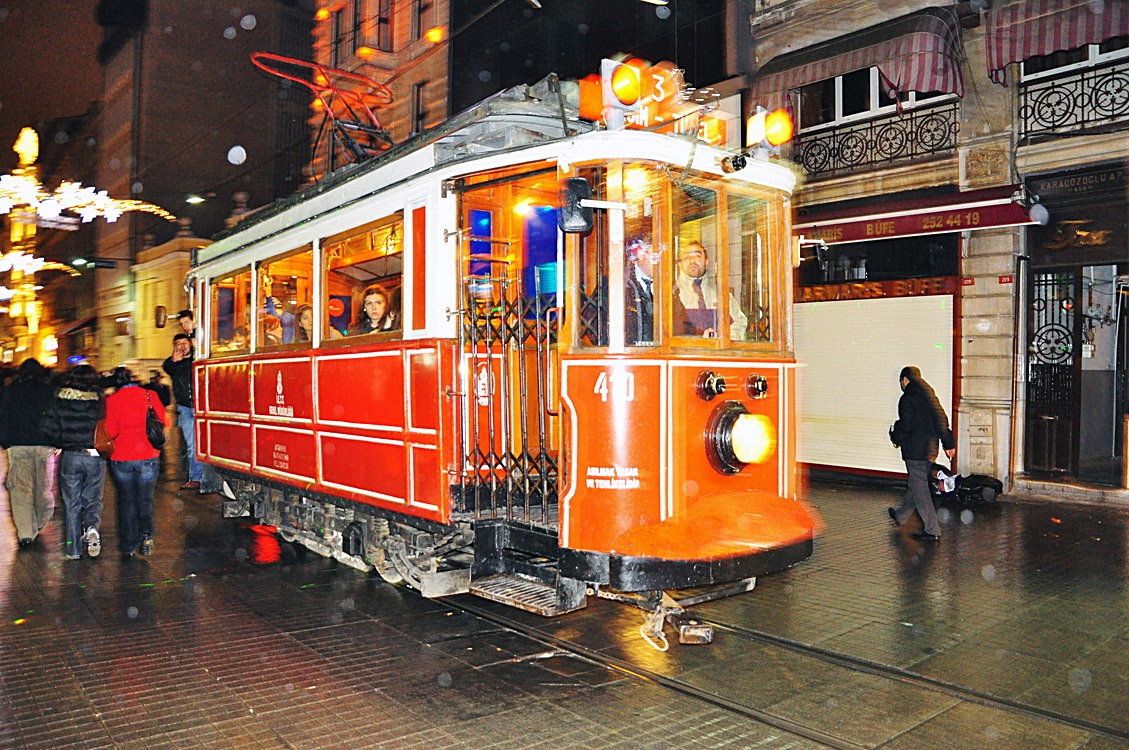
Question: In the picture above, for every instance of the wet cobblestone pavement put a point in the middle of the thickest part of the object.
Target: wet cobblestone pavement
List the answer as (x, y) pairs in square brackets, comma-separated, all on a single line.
[(1012, 631)]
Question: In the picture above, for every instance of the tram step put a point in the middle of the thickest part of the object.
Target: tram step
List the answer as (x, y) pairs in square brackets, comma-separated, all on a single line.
[(532, 596)]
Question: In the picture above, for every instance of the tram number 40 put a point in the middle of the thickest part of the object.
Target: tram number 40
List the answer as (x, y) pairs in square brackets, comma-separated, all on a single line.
[(615, 386)]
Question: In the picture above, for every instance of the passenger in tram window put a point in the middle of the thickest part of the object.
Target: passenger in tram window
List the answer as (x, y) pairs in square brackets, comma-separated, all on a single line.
[(696, 297), (240, 338), (304, 324), (376, 314), (639, 297)]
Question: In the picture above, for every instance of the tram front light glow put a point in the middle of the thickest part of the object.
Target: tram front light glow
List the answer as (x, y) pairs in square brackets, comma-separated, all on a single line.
[(753, 438)]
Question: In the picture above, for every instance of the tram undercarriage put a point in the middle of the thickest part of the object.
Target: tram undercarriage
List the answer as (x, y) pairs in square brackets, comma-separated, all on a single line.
[(512, 562)]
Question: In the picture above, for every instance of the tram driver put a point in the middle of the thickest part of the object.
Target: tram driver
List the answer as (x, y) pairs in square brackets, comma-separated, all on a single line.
[(695, 297), (639, 296)]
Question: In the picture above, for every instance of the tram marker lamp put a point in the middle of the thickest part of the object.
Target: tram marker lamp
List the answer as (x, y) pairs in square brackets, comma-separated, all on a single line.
[(767, 131)]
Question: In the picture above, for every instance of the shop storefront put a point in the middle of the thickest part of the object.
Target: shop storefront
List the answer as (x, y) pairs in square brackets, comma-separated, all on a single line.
[(1075, 368), (879, 289)]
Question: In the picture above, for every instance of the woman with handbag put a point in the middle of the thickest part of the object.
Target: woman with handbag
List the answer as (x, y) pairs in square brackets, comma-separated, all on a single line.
[(70, 425), (132, 412)]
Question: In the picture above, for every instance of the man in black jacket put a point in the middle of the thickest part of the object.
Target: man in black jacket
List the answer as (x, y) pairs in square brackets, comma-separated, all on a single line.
[(921, 420), (22, 408)]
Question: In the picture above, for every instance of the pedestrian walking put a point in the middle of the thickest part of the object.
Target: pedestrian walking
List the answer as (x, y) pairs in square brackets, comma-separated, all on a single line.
[(69, 426), (134, 464), (22, 409), (921, 421)]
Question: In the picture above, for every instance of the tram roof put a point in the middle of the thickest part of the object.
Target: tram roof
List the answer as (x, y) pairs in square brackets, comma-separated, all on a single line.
[(512, 119)]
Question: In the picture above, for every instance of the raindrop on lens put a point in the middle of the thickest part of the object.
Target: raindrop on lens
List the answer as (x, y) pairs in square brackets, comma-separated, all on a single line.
[(484, 75), (337, 618), (247, 22), (988, 572), (1080, 679), (241, 555), (348, 605), (236, 155), (504, 46), (967, 516), (229, 32), (131, 613), (583, 28), (444, 680), (136, 188), (662, 12)]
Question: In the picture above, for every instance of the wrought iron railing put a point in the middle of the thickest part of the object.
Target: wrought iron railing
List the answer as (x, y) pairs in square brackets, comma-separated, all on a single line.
[(920, 131), (1078, 102)]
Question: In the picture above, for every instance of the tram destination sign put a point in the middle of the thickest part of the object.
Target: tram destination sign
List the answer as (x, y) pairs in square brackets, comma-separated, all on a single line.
[(925, 221)]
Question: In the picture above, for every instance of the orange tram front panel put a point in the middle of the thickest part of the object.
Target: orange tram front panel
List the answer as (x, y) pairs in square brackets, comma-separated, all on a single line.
[(640, 482), (367, 424)]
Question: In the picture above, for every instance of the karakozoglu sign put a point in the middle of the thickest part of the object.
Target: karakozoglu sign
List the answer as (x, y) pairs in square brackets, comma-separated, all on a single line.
[(659, 102)]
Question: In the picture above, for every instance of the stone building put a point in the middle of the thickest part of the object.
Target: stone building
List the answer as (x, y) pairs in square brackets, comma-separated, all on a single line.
[(186, 117), (964, 210)]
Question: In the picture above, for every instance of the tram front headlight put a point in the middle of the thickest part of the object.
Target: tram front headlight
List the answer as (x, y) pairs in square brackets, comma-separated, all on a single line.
[(754, 438), (735, 438)]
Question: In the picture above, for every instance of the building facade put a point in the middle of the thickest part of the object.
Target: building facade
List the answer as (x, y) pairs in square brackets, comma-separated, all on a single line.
[(964, 210), (188, 117)]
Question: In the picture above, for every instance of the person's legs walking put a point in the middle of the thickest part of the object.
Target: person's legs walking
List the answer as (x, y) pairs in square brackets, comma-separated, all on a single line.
[(70, 490), (918, 476), (42, 508), (90, 494), (146, 483), (125, 479), (21, 484)]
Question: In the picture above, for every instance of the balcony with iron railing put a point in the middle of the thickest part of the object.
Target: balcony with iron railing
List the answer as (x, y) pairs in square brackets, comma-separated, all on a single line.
[(1077, 102), (887, 139)]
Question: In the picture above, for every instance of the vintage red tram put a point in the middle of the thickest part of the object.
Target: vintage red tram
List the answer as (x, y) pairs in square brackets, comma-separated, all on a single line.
[(413, 369)]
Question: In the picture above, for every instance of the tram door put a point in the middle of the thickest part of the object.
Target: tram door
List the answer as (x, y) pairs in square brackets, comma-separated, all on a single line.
[(1052, 378), (510, 272)]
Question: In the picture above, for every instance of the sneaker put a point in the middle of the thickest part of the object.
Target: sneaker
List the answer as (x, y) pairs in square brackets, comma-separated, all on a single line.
[(93, 542), (26, 543), (73, 557), (190, 486), (146, 547), (893, 515)]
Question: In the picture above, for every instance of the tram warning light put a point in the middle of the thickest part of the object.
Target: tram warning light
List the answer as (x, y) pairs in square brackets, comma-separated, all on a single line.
[(621, 86), (766, 131)]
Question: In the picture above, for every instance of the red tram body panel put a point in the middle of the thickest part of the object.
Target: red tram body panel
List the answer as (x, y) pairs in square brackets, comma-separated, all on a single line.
[(534, 369)]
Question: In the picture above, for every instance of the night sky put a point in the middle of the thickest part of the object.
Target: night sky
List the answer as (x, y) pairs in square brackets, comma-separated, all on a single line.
[(48, 65)]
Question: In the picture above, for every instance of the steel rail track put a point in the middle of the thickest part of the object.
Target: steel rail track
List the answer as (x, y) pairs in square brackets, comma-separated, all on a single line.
[(785, 725)]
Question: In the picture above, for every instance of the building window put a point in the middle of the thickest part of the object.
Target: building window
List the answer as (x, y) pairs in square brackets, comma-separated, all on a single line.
[(358, 25), (851, 96), (421, 10), (383, 39), (1073, 59), (338, 39), (419, 112)]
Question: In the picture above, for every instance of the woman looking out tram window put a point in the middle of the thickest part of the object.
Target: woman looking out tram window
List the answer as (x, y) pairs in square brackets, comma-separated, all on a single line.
[(377, 313)]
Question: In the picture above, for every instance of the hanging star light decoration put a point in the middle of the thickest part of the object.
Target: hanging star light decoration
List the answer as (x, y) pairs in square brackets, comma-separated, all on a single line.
[(22, 191)]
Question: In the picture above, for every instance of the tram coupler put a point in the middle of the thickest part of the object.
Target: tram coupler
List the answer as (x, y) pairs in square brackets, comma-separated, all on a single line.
[(690, 630)]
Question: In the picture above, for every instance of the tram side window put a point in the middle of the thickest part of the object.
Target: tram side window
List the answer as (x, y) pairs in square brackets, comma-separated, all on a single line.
[(285, 296), (700, 307), (364, 276), (750, 268), (231, 314)]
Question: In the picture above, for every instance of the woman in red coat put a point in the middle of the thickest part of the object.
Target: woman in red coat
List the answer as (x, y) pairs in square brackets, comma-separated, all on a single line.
[(134, 464)]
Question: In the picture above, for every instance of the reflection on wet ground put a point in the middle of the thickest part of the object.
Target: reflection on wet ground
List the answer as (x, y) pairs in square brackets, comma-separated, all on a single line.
[(226, 637)]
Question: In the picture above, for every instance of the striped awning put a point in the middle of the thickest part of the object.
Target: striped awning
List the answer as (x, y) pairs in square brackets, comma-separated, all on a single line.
[(917, 52), (1020, 29)]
